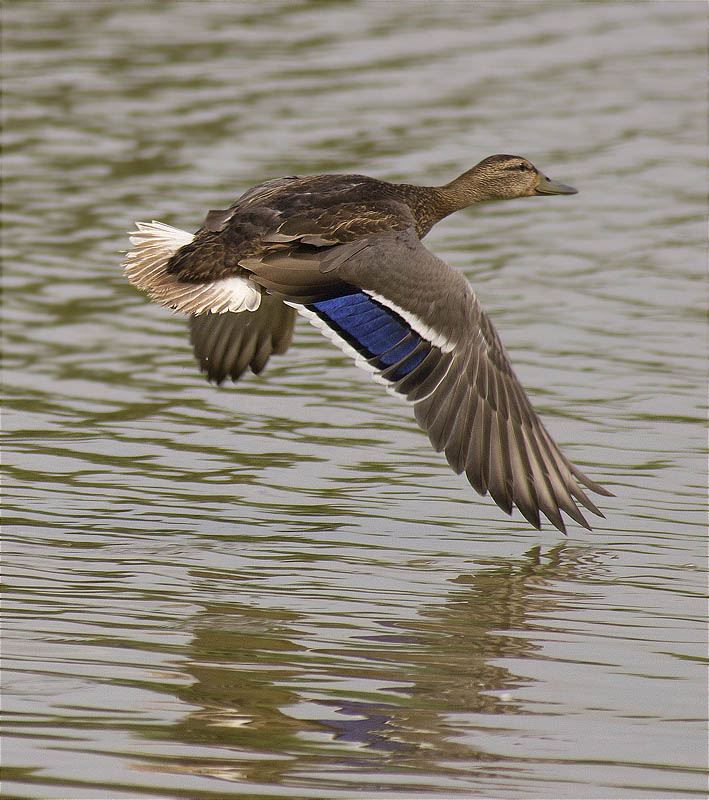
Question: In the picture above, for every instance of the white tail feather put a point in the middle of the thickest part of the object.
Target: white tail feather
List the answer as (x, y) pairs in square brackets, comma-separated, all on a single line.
[(145, 266)]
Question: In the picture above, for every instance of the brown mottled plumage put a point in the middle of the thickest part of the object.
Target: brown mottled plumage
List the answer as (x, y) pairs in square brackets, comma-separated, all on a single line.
[(345, 251)]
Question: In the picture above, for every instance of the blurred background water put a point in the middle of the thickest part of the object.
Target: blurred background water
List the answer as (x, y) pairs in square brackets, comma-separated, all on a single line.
[(276, 589)]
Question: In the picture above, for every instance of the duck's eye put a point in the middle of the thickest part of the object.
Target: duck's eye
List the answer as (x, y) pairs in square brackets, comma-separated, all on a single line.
[(522, 167)]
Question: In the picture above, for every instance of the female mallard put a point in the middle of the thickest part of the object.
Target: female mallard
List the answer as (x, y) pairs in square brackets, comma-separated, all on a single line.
[(345, 251)]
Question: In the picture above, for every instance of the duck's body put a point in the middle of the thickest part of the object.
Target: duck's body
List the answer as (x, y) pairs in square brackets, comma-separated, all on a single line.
[(345, 251)]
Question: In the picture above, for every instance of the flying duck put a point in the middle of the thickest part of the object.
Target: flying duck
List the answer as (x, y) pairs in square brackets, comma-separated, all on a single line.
[(345, 251)]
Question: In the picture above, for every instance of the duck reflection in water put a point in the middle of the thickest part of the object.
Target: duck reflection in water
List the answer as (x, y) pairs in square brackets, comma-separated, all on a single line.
[(283, 696)]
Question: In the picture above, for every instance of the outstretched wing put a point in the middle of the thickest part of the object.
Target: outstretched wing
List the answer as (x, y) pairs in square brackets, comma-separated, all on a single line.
[(415, 323)]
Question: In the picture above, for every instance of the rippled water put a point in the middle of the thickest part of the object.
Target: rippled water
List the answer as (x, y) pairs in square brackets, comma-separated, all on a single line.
[(276, 589)]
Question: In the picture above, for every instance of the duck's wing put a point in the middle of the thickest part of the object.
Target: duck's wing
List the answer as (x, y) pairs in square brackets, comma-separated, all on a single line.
[(416, 324), (226, 344)]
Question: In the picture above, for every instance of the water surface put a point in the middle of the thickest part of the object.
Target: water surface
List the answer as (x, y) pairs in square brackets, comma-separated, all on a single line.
[(276, 589)]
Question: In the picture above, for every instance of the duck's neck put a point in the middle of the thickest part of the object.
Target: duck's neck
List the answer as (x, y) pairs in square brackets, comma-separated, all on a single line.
[(431, 204), (468, 188)]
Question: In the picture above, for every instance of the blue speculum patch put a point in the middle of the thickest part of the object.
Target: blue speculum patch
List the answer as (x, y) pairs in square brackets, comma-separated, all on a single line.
[(375, 331)]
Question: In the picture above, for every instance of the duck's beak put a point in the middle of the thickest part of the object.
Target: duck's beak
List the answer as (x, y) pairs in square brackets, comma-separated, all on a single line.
[(545, 186)]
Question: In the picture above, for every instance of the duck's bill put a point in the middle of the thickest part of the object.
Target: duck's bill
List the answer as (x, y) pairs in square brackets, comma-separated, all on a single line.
[(546, 186)]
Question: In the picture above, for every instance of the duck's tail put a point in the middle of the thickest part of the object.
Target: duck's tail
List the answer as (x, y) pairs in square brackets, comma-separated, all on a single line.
[(145, 266)]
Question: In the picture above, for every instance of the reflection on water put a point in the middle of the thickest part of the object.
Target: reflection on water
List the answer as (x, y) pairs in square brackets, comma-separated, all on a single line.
[(276, 588), (384, 697)]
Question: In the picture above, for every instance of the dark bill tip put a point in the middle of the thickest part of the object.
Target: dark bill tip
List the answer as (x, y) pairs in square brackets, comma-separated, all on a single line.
[(546, 186)]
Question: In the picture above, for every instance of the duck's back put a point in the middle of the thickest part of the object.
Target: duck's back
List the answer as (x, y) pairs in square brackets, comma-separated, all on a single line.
[(290, 196), (312, 211)]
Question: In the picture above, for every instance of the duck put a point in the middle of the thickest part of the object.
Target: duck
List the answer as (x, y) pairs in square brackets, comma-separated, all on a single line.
[(345, 252)]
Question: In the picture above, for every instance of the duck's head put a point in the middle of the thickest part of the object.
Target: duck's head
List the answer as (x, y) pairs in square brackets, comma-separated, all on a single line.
[(504, 177)]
